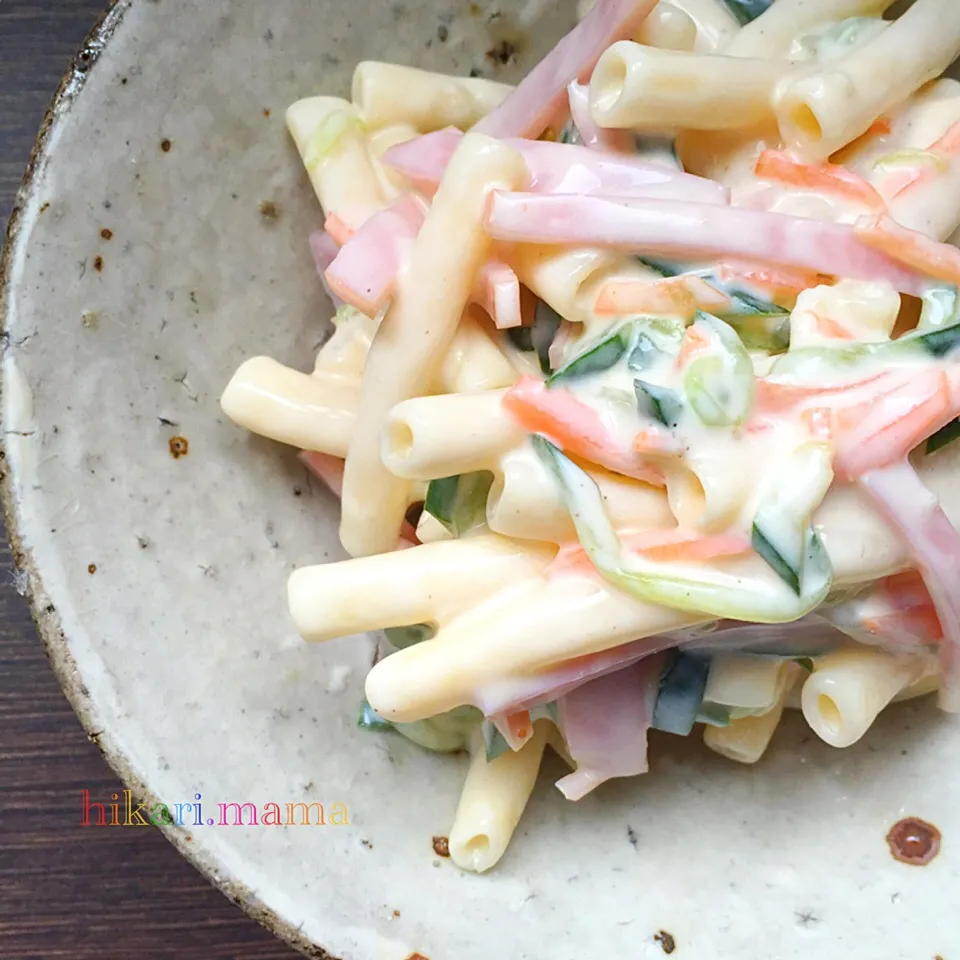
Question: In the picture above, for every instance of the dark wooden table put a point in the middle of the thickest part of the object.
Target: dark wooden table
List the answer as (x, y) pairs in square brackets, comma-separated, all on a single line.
[(64, 891)]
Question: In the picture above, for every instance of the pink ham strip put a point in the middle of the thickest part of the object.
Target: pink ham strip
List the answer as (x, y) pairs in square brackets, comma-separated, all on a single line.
[(694, 229), (915, 512), (498, 292), (541, 96), (329, 471), (324, 249), (605, 725), (560, 168), (364, 272), (594, 136)]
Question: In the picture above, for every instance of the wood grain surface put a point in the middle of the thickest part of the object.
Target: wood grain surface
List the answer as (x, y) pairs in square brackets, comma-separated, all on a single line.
[(66, 891)]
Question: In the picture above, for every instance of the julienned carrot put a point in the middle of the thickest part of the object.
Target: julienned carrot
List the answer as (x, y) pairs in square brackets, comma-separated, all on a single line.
[(781, 285), (832, 178), (575, 427), (663, 546), (674, 297), (520, 726), (911, 614), (656, 443), (773, 396), (693, 343), (883, 430), (949, 143), (947, 146), (939, 261), (828, 327), (338, 228)]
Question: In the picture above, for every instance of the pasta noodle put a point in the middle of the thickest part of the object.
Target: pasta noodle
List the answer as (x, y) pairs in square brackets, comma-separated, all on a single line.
[(644, 88), (494, 797), (745, 739), (434, 437), (444, 263), (312, 413), (847, 690), (386, 93), (428, 584), (669, 28), (344, 178), (820, 113)]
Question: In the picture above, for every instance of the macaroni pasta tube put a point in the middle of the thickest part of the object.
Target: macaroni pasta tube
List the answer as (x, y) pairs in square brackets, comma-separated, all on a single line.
[(641, 88), (426, 584), (822, 112), (386, 93), (332, 144), (434, 437), (416, 332), (849, 688), (494, 797)]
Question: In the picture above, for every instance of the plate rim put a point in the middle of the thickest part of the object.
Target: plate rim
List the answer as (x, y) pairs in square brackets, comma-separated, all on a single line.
[(43, 611)]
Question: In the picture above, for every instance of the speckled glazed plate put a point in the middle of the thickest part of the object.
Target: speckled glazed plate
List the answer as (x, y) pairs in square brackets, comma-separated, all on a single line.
[(160, 239)]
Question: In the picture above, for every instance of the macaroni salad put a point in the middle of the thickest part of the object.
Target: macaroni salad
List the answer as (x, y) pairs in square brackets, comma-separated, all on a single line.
[(640, 375)]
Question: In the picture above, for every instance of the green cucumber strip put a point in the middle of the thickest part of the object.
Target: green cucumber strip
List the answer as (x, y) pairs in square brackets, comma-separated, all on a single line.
[(369, 719), (720, 385), (944, 436), (780, 566), (714, 714), (681, 694), (659, 403), (403, 637), (712, 594), (817, 364), (643, 355), (747, 11), (539, 336), (938, 343), (546, 323), (664, 267), (781, 534), (323, 141), (569, 134), (494, 741), (521, 338), (596, 359), (767, 332), (441, 499), (459, 503)]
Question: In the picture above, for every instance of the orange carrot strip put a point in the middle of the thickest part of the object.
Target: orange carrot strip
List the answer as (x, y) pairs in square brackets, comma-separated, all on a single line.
[(828, 327), (693, 343), (937, 260), (338, 228), (949, 143), (520, 726), (674, 296), (879, 432), (774, 397), (662, 546), (656, 443), (781, 285), (779, 166), (574, 427)]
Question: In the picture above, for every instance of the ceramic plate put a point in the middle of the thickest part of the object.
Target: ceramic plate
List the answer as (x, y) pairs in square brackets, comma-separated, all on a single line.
[(160, 240)]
